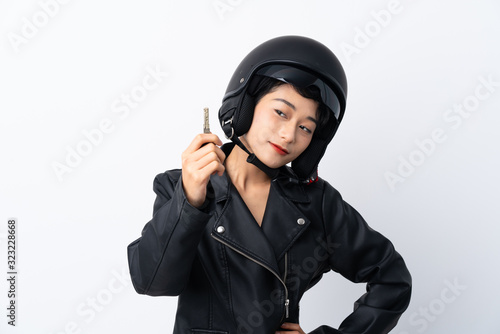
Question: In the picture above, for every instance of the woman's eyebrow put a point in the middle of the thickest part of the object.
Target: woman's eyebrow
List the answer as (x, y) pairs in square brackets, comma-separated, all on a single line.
[(313, 119), (288, 103)]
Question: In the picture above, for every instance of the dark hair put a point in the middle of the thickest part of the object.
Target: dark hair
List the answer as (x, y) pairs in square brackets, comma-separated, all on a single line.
[(265, 85)]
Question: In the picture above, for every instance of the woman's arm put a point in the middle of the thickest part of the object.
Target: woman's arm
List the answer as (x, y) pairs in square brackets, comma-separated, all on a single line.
[(160, 260), (364, 255)]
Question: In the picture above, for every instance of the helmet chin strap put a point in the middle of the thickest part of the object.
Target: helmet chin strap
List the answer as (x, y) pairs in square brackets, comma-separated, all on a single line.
[(252, 158)]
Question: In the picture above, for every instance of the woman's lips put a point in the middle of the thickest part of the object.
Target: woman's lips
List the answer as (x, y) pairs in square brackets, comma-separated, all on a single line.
[(279, 149)]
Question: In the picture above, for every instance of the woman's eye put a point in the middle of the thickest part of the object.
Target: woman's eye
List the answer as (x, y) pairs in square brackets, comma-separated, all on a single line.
[(305, 129), (280, 113)]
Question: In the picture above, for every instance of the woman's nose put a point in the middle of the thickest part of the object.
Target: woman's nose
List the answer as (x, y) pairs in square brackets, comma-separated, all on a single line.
[(287, 132)]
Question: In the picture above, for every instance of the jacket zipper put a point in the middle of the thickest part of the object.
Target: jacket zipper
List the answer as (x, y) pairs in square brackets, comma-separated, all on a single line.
[(287, 301)]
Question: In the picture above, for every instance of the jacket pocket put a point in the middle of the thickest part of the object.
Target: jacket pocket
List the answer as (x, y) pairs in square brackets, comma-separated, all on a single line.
[(207, 331)]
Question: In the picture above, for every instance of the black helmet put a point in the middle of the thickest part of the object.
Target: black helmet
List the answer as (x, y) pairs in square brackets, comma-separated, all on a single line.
[(302, 62)]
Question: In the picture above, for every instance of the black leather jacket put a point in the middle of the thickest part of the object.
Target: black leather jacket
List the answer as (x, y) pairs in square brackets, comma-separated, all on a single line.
[(233, 276)]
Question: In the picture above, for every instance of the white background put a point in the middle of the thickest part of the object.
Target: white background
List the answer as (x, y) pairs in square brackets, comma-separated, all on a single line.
[(63, 74)]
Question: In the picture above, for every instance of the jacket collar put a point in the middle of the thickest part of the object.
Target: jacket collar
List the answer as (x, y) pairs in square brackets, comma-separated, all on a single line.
[(289, 189)]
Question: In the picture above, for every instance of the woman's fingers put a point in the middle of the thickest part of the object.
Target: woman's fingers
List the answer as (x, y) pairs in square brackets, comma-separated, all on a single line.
[(200, 139), (290, 328), (208, 150), (201, 159), (202, 168)]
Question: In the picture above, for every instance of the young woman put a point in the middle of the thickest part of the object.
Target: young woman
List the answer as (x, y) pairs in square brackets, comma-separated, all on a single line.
[(239, 235)]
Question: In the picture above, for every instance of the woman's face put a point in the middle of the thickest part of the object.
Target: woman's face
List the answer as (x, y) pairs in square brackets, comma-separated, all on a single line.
[(283, 125)]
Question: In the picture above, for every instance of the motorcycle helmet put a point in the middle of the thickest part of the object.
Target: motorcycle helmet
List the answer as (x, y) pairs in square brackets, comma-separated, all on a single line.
[(302, 62)]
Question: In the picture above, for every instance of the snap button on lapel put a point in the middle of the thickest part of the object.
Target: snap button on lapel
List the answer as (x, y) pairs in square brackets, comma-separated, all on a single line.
[(301, 221), (221, 229)]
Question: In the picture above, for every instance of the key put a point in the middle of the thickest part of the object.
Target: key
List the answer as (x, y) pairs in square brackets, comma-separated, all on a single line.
[(206, 124)]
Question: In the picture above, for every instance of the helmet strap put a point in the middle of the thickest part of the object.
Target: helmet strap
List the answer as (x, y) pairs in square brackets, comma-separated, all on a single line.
[(252, 158)]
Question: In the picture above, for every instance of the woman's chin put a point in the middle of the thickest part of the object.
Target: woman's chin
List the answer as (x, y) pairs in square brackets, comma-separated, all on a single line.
[(273, 162)]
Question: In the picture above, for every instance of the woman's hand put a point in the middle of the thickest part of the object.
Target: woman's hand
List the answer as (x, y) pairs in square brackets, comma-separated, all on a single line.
[(199, 161), (290, 328)]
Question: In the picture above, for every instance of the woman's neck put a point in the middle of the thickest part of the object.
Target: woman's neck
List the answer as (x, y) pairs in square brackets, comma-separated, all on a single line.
[(242, 173), (251, 183)]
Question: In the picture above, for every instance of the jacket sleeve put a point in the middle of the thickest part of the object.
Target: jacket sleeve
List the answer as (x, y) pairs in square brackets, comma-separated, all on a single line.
[(160, 260), (363, 255)]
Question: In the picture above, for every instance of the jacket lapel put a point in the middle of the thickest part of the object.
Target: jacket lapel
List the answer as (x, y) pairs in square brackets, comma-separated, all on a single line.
[(282, 224), (236, 227)]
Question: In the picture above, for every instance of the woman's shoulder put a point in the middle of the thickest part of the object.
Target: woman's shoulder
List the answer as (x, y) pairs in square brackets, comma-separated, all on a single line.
[(315, 190), (323, 187), (168, 178)]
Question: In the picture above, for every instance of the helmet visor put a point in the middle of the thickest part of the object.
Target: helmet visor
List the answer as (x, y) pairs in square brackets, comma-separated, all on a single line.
[(303, 79)]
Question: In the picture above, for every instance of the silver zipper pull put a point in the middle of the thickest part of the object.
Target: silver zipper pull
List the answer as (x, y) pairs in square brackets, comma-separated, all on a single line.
[(287, 304)]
